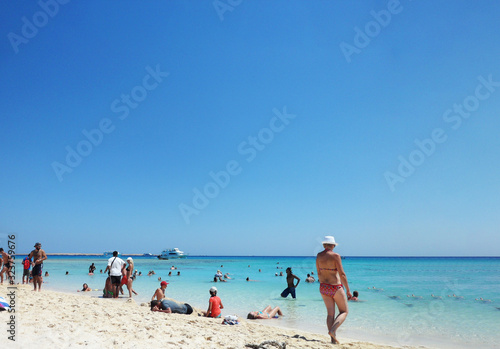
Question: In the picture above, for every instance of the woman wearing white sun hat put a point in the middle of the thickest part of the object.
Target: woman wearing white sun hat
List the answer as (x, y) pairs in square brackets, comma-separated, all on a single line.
[(333, 280)]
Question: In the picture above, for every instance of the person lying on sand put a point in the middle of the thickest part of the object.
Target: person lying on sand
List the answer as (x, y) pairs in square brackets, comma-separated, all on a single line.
[(171, 306), (267, 313)]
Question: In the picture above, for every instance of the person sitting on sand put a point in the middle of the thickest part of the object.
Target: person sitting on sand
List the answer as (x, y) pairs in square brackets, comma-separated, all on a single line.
[(108, 291), (267, 313), (171, 306), (85, 288), (354, 297), (160, 292), (214, 304)]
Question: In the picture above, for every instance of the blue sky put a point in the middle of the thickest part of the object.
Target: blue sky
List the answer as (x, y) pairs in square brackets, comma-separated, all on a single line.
[(311, 108)]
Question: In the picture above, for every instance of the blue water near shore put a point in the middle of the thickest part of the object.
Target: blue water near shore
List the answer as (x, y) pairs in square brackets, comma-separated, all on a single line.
[(445, 322)]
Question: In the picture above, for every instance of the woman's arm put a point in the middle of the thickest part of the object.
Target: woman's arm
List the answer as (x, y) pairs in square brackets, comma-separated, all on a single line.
[(209, 311), (343, 276), (318, 272)]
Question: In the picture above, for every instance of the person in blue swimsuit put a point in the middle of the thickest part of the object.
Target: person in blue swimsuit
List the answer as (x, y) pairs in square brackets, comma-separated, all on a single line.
[(267, 313)]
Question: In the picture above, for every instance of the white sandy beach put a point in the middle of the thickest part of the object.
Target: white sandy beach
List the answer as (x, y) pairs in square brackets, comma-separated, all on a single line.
[(51, 319)]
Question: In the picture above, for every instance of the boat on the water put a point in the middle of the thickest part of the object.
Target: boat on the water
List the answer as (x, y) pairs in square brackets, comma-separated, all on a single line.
[(147, 255), (172, 254), (109, 254)]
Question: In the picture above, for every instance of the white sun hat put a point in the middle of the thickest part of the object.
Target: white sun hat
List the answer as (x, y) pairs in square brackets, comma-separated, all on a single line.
[(213, 289), (330, 240)]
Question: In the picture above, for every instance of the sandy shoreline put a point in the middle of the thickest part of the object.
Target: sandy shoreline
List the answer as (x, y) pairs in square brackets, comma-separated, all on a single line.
[(51, 319)]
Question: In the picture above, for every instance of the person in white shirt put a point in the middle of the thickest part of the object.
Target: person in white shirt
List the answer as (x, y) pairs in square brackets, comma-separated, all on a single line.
[(116, 268)]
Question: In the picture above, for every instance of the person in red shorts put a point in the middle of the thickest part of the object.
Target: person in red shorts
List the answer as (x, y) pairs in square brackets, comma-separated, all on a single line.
[(214, 304)]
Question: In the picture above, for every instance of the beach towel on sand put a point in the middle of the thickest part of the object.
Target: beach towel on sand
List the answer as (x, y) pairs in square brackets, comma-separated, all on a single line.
[(4, 305), (230, 320)]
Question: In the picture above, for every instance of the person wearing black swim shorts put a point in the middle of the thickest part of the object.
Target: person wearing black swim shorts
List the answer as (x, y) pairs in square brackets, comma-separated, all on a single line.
[(6, 259), (38, 256), (116, 268)]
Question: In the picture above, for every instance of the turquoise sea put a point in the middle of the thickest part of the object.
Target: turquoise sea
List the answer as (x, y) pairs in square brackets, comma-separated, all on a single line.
[(386, 315)]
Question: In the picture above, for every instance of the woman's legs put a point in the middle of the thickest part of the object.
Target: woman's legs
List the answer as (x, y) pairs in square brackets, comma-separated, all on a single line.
[(330, 318), (273, 312), (267, 309), (341, 301)]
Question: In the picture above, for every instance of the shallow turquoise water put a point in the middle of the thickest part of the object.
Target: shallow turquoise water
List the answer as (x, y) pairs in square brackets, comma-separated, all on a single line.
[(446, 322)]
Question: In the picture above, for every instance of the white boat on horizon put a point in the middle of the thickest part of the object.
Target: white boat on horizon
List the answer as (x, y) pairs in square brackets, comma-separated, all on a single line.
[(109, 254), (172, 254)]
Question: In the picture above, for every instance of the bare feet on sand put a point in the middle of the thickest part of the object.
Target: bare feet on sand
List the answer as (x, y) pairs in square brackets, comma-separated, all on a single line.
[(333, 337)]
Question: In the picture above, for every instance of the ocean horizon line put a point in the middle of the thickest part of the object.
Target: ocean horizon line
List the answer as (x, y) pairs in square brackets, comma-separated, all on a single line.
[(248, 256)]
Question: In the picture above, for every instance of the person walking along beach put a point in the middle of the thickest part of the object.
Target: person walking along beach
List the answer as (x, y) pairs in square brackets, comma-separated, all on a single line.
[(332, 276), (291, 286), (38, 256), (116, 268)]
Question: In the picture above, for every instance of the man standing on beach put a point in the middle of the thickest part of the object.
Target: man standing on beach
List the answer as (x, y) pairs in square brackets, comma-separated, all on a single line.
[(291, 286), (38, 256), (6, 260), (116, 268)]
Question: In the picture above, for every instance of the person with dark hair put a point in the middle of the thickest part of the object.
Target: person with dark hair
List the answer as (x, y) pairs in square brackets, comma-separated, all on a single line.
[(354, 297), (38, 256), (92, 269), (171, 306), (267, 313), (85, 288), (115, 269), (26, 269), (332, 279), (7, 265), (290, 277)]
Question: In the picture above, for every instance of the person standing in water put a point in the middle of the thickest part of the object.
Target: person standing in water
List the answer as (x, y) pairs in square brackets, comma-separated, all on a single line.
[(290, 277), (333, 280)]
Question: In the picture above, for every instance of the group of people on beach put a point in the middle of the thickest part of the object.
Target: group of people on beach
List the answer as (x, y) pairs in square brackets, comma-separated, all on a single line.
[(32, 266), (161, 304), (120, 273), (334, 287)]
